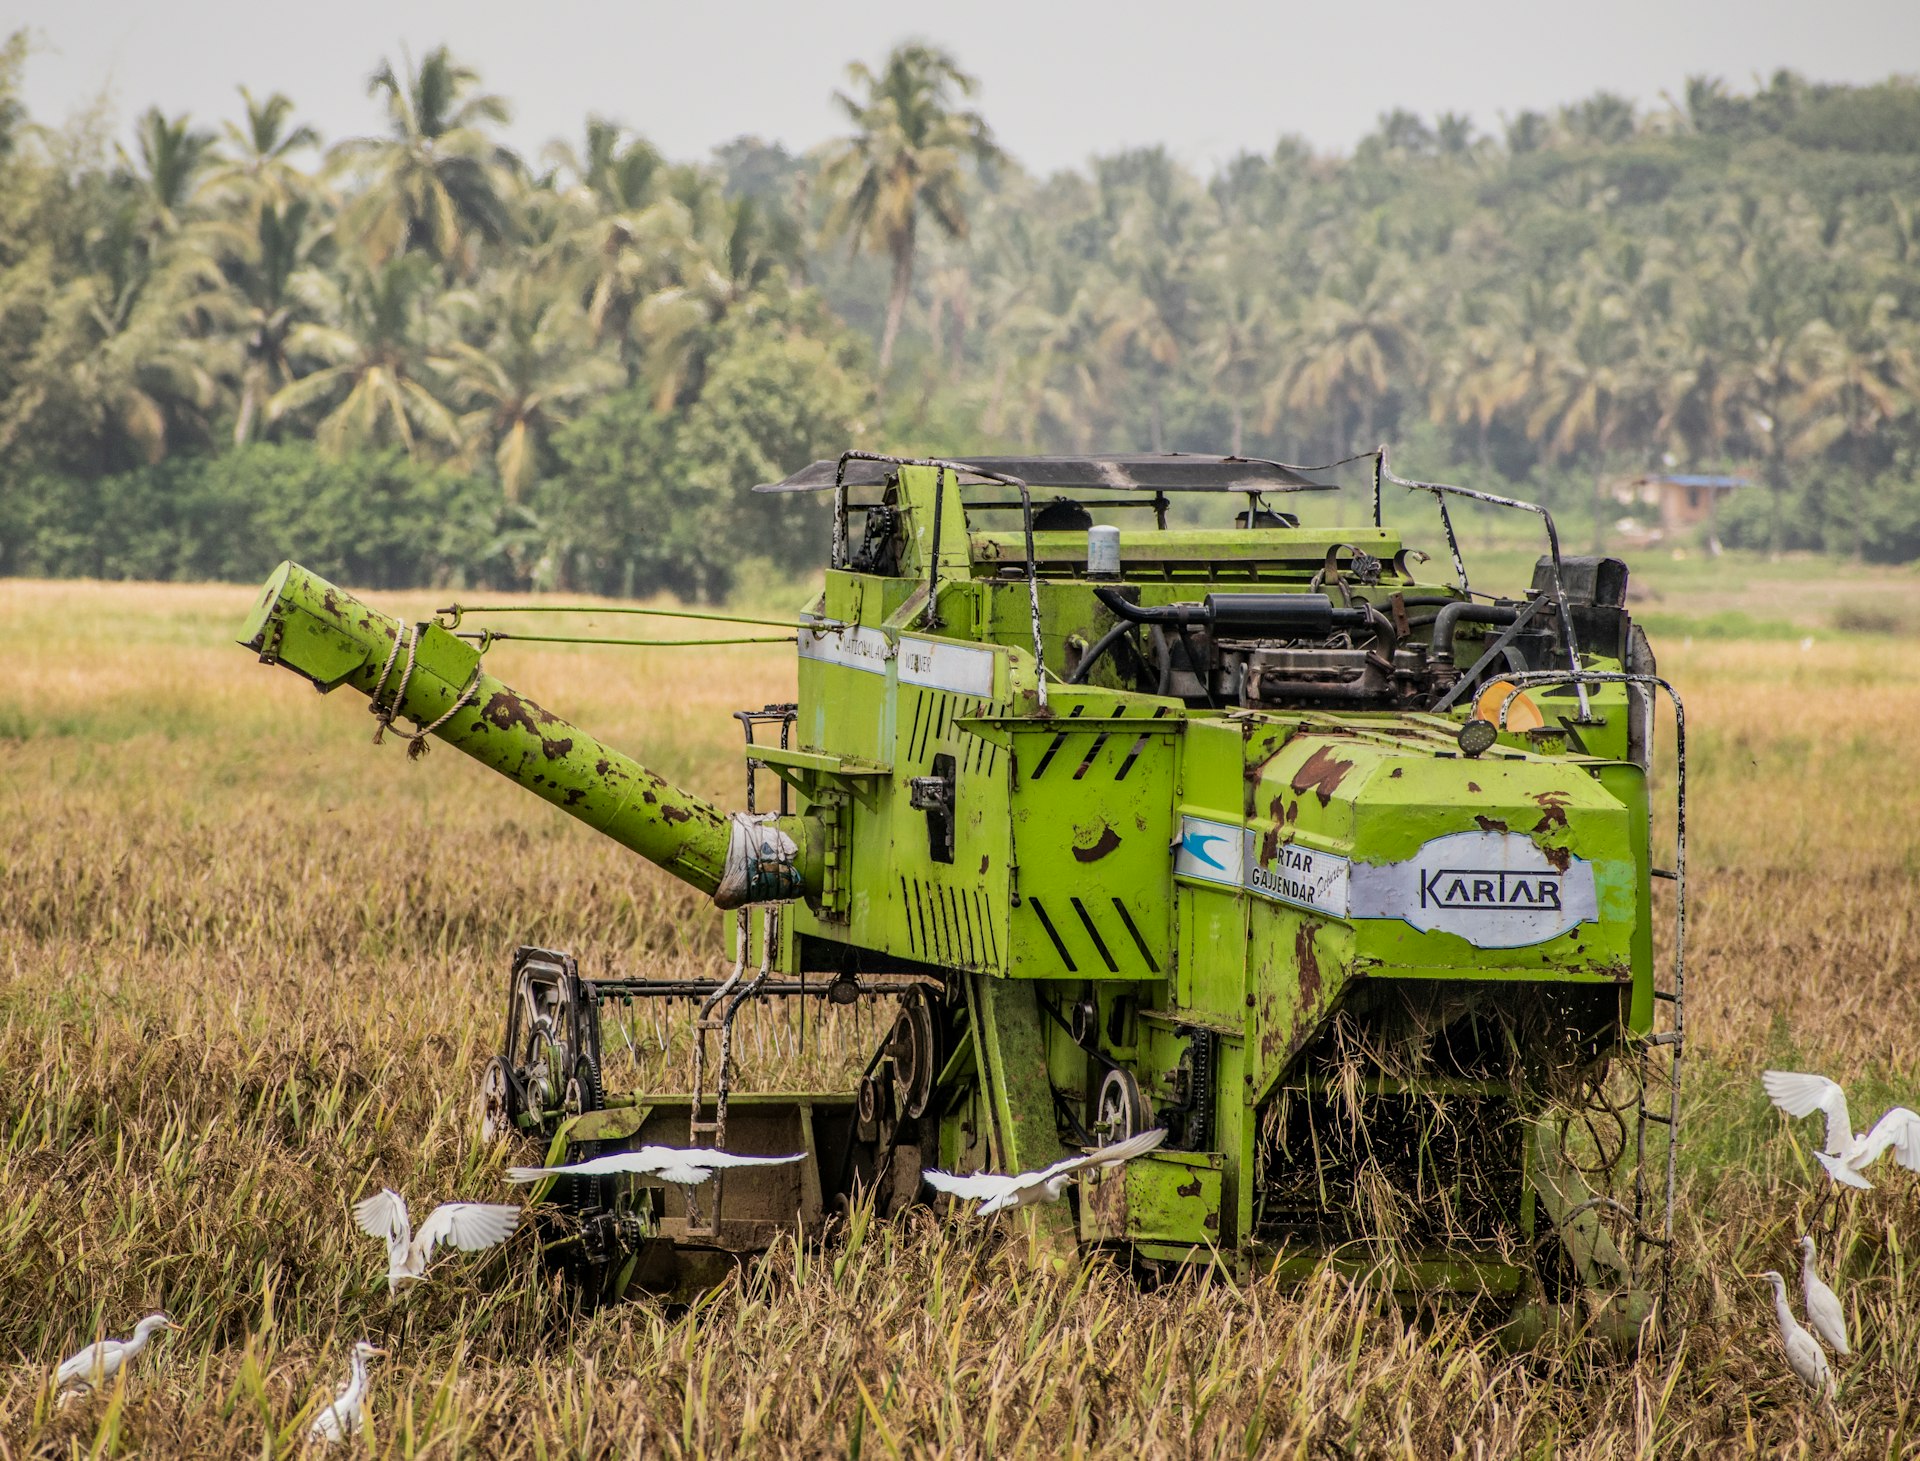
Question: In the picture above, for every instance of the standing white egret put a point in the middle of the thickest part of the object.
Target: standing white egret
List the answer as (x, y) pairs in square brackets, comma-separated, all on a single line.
[(1847, 1153), (99, 1362), (468, 1226), (1824, 1313), (1028, 1189), (341, 1420), (689, 1167), (1804, 1356)]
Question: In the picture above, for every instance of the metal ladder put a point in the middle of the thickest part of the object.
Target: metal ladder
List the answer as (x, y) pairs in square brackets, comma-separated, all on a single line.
[(703, 1132), (780, 715), (1673, 1038), (711, 1133)]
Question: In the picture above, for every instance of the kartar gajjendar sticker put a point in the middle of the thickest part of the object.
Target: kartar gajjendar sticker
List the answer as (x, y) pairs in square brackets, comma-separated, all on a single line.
[(1496, 890)]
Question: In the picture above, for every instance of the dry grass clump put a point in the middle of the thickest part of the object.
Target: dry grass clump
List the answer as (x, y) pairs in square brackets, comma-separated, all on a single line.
[(250, 966)]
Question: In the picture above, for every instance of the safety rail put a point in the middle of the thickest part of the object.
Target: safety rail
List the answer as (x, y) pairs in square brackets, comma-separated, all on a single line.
[(1674, 1038)]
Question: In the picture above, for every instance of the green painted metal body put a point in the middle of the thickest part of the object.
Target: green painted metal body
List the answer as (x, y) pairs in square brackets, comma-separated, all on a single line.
[(1210, 887), (1062, 872)]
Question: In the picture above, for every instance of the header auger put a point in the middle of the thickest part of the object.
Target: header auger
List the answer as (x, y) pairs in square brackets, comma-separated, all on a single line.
[(1337, 869)]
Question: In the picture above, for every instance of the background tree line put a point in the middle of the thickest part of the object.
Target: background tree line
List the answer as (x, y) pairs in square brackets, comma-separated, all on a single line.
[(415, 356)]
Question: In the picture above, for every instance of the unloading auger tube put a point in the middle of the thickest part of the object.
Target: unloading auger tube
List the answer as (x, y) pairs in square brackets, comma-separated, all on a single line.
[(427, 675)]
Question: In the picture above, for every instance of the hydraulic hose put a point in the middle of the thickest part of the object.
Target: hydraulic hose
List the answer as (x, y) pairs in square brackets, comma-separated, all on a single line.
[(1451, 617), (1248, 616), (1098, 648)]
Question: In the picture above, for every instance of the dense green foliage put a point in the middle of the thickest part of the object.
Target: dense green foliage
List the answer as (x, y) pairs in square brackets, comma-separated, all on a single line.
[(416, 356), (379, 517)]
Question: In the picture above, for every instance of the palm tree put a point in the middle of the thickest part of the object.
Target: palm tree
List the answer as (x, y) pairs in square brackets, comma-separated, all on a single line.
[(953, 312), (1239, 326), (173, 154), (1528, 132), (1401, 132), (633, 236), (1862, 372), (909, 155), (1765, 382), (1480, 372), (534, 372), (1136, 342), (260, 159), (622, 173), (101, 359), (114, 373), (1707, 106), (634, 260), (1604, 118), (1768, 372), (373, 383), (661, 255), (1355, 341), (1059, 385), (1455, 137), (1018, 300), (267, 286), (1145, 316), (1593, 384), (1042, 340), (730, 249), (436, 181), (1695, 391)]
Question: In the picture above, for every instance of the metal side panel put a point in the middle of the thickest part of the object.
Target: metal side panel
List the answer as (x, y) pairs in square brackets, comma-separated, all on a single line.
[(1092, 828), (1163, 1197), (759, 1204), (1013, 1041)]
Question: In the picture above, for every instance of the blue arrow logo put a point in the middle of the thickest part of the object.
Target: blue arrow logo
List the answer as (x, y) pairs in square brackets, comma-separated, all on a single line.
[(1193, 844)]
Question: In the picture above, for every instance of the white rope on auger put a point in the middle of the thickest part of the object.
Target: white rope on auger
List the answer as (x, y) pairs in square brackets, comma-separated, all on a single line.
[(385, 712)]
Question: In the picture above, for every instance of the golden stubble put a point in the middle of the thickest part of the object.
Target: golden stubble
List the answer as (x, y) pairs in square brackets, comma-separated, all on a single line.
[(251, 965)]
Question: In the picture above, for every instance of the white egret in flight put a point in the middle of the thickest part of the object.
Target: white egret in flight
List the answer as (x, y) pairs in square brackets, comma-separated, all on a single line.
[(99, 1362), (1028, 1189), (1824, 1313), (1804, 1356), (688, 1167), (1847, 1154), (468, 1226), (340, 1420)]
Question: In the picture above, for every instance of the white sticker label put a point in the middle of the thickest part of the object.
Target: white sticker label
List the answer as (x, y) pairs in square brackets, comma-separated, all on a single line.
[(957, 667), (1299, 875), (1214, 852), (1496, 890), (854, 649)]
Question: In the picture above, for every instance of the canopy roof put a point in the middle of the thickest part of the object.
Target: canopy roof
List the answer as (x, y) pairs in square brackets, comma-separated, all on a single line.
[(1163, 472), (1686, 479)]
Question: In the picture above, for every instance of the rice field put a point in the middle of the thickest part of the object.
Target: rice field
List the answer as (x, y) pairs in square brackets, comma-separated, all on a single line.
[(250, 967)]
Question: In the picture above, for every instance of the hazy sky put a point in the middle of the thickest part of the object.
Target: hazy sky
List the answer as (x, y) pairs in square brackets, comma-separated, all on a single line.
[(1059, 81)]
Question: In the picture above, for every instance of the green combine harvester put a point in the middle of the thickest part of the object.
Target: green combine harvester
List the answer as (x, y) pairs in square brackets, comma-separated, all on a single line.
[(1334, 867)]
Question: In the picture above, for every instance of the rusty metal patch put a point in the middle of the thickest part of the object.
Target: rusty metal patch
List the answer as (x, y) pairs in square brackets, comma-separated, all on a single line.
[(1106, 843), (1321, 773)]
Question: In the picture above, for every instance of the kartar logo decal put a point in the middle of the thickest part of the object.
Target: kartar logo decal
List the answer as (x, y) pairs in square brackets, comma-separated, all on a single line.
[(1474, 887), (1496, 890)]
